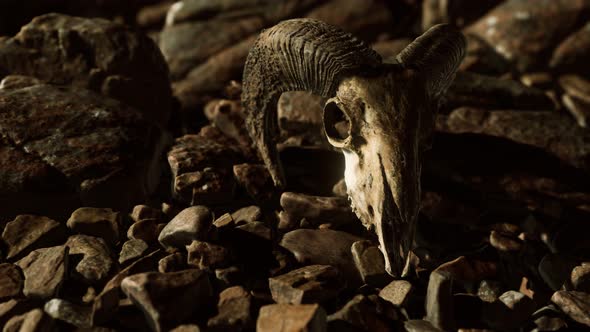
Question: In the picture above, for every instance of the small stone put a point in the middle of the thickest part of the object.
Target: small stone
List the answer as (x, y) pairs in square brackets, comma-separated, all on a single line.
[(141, 212), (223, 222), (29, 232), (287, 222), (77, 315), (318, 209), (309, 284), (580, 277), (234, 310), (11, 281), (169, 299), (574, 304), (419, 325), (186, 328), (144, 229), (193, 223), (370, 263), (247, 214), (45, 271), (439, 301), (326, 247), (207, 256), (96, 262), (172, 263), (34, 320), (489, 290), (132, 249), (504, 243), (555, 269), (359, 313), (397, 292), (99, 222), (107, 302), (510, 311), (291, 318)]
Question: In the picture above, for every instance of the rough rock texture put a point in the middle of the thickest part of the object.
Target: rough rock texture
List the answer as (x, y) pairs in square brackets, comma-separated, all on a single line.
[(45, 271), (11, 281), (78, 146), (235, 310), (34, 320), (193, 223), (310, 284), (95, 264), (94, 54), (292, 318), (567, 57), (168, 299), (29, 232), (77, 315), (103, 223)]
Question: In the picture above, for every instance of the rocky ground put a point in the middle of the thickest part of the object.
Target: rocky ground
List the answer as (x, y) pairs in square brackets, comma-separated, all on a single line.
[(131, 198)]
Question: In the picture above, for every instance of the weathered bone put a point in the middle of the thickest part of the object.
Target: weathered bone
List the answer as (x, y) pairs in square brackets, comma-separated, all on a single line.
[(387, 111)]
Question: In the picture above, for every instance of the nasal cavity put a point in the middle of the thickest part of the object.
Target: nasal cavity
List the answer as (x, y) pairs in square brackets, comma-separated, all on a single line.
[(336, 122)]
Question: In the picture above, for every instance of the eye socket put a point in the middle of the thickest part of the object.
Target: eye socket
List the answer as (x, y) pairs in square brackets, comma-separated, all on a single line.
[(336, 124)]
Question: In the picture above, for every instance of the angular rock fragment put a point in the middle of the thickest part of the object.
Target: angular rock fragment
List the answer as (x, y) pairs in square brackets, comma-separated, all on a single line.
[(234, 310), (132, 250), (229, 117), (440, 310), (318, 209), (99, 222), (77, 315), (396, 292), (45, 271), (552, 132), (580, 277), (29, 232), (525, 31), (169, 299), (11, 281), (172, 263), (291, 318), (370, 263), (12, 308), (224, 222), (569, 55), (96, 54), (575, 304), (358, 314), (193, 223), (324, 246), (141, 212), (309, 284), (257, 229), (145, 230), (207, 256), (34, 320), (510, 311), (247, 214), (186, 328), (96, 262), (489, 290)]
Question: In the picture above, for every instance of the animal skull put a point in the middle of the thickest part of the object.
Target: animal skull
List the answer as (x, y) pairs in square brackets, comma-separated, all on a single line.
[(380, 115)]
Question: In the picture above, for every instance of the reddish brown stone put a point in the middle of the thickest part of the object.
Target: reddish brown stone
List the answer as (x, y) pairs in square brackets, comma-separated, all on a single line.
[(572, 53)]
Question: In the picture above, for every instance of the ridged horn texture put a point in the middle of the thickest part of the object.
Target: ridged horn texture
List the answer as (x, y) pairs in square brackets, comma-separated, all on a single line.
[(436, 54), (294, 55)]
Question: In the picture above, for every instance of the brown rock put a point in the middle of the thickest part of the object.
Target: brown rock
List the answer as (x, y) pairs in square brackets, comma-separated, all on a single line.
[(77, 315), (11, 281), (291, 318), (358, 314), (504, 243), (224, 222), (186, 328), (132, 250), (172, 263), (575, 304), (234, 311), (324, 246), (193, 223), (207, 256), (211, 186), (247, 214), (418, 325), (579, 109), (513, 28), (62, 49), (29, 232), (318, 209), (510, 311), (396, 292), (229, 117), (96, 263), (145, 230), (468, 269), (370, 263), (440, 311), (576, 86), (35, 320), (569, 54), (310, 284), (153, 16), (169, 299), (256, 228), (141, 212), (489, 290), (99, 222), (45, 271), (553, 132), (580, 277)]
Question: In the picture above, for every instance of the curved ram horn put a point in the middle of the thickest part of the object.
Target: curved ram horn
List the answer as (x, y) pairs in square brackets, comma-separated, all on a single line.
[(298, 54), (436, 55)]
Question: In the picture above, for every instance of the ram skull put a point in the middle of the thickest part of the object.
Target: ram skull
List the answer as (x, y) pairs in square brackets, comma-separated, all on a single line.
[(380, 114)]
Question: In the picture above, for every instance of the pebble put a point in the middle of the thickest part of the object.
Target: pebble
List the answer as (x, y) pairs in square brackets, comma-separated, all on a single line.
[(207, 256), (440, 310), (370, 263), (144, 229), (34, 320), (309, 284), (575, 304), (77, 315), (96, 263), (131, 250), (247, 214), (234, 310), (193, 223), (291, 318), (172, 263), (397, 292), (29, 232), (45, 271), (580, 277), (99, 222)]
